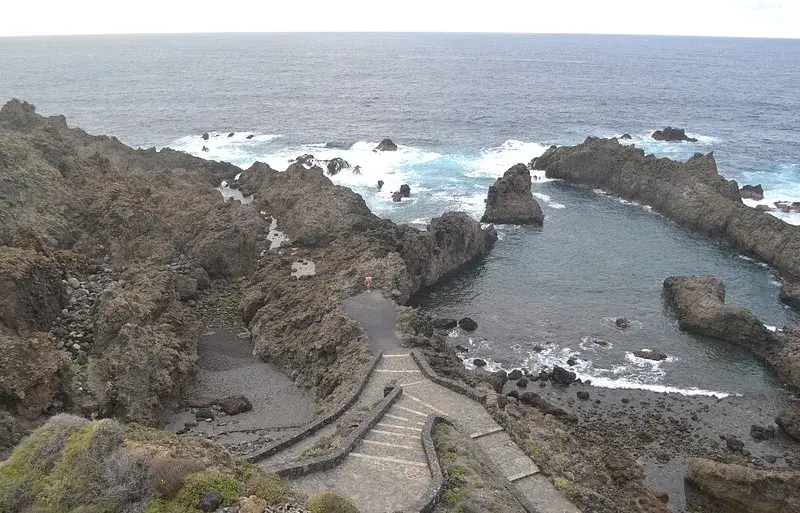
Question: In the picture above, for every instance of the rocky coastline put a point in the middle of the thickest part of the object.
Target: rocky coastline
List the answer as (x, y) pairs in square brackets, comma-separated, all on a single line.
[(693, 194), (109, 281)]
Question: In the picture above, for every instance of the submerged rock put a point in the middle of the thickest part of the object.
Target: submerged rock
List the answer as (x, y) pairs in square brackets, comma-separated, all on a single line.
[(561, 376), (380, 184), (672, 135), (510, 200), (467, 324), (231, 134), (444, 323), (405, 191), (755, 192), (626, 137), (205, 136), (622, 323), (386, 145), (650, 354)]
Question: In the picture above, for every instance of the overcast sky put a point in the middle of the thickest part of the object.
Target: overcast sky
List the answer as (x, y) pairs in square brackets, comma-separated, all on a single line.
[(743, 18)]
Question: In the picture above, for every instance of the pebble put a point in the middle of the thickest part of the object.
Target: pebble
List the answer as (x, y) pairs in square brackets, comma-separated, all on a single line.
[(74, 283), (76, 347)]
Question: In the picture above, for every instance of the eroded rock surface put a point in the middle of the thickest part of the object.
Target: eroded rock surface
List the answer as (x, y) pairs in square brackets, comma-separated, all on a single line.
[(510, 200)]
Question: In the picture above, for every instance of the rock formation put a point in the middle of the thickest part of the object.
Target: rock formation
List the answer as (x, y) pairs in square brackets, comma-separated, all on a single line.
[(75, 205), (510, 200), (789, 421), (755, 192), (790, 294), (699, 303), (672, 135), (693, 194), (404, 192), (337, 164), (386, 145), (737, 488)]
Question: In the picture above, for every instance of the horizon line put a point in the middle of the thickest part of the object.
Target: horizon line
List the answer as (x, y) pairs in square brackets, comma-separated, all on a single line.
[(410, 32)]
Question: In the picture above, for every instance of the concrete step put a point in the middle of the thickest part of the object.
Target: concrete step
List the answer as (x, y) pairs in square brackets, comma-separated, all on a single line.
[(505, 456), (539, 490)]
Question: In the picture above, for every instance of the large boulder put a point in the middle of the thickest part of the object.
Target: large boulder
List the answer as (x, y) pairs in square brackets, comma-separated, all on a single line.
[(734, 488), (671, 134), (337, 164), (754, 192), (691, 193), (789, 421), (510, 200), (386, 145)]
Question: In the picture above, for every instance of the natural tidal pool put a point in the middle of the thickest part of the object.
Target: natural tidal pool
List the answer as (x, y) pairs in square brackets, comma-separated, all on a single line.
[(544, 295)]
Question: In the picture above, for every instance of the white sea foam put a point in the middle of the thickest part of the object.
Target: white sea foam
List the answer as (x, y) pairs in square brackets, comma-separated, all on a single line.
[(238, 150), (548, 201), (228, 193), (493, 162), (769, 200)]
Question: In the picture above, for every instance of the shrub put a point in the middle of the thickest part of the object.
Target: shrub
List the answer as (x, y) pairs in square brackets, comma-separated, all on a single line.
[(561, 484), (77, 476), (22, 474), (195, 485), (269, 487), (329, 502), (125, 482), (167, 475)]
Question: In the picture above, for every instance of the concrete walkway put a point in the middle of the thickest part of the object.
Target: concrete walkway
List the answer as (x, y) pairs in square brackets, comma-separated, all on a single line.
[(388, 471)]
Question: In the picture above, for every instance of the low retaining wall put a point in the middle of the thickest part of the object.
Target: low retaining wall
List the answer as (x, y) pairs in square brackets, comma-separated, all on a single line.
[(455, 386), (318, 424), (428, 502), (327, 462)]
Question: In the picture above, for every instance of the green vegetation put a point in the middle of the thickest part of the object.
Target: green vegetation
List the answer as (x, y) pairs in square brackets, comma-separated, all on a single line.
[(329, 502), (70, 465), (533, 450), (561, 484)]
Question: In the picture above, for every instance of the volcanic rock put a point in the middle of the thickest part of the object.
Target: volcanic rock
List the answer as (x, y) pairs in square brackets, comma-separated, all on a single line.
[(510, 200), (561, 376), (467, 324), (205, 136), (789, 421), (337, 164), (235, 405), (386, 145), (380, 184), (672, 135), (755, 192), (790, 294), (739, 488), (693, 194), (626, 137), (650, 354)]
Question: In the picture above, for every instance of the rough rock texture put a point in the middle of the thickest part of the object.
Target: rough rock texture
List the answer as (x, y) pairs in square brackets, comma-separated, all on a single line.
[(790, 294), (337, 164), (90, 230), (510, 200), (734, 488), (692, 193), (671, 134), (386, 145), (31, 374), (755, 192), (32, 294), (789, 421), (699, 303), (300, 325)]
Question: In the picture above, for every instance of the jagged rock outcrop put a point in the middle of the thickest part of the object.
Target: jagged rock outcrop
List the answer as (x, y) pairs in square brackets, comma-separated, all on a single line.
[(693, 194), (699, 303), (754, 192), (671, 134), (386, 145), (75, 206), (337, 164), (734, 488), (510, 200)]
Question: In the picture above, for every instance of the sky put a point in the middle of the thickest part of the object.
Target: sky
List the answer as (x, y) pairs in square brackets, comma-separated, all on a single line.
[(732, 18)]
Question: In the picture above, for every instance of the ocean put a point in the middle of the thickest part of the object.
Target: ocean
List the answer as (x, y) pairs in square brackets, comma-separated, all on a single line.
[(463, 108)]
